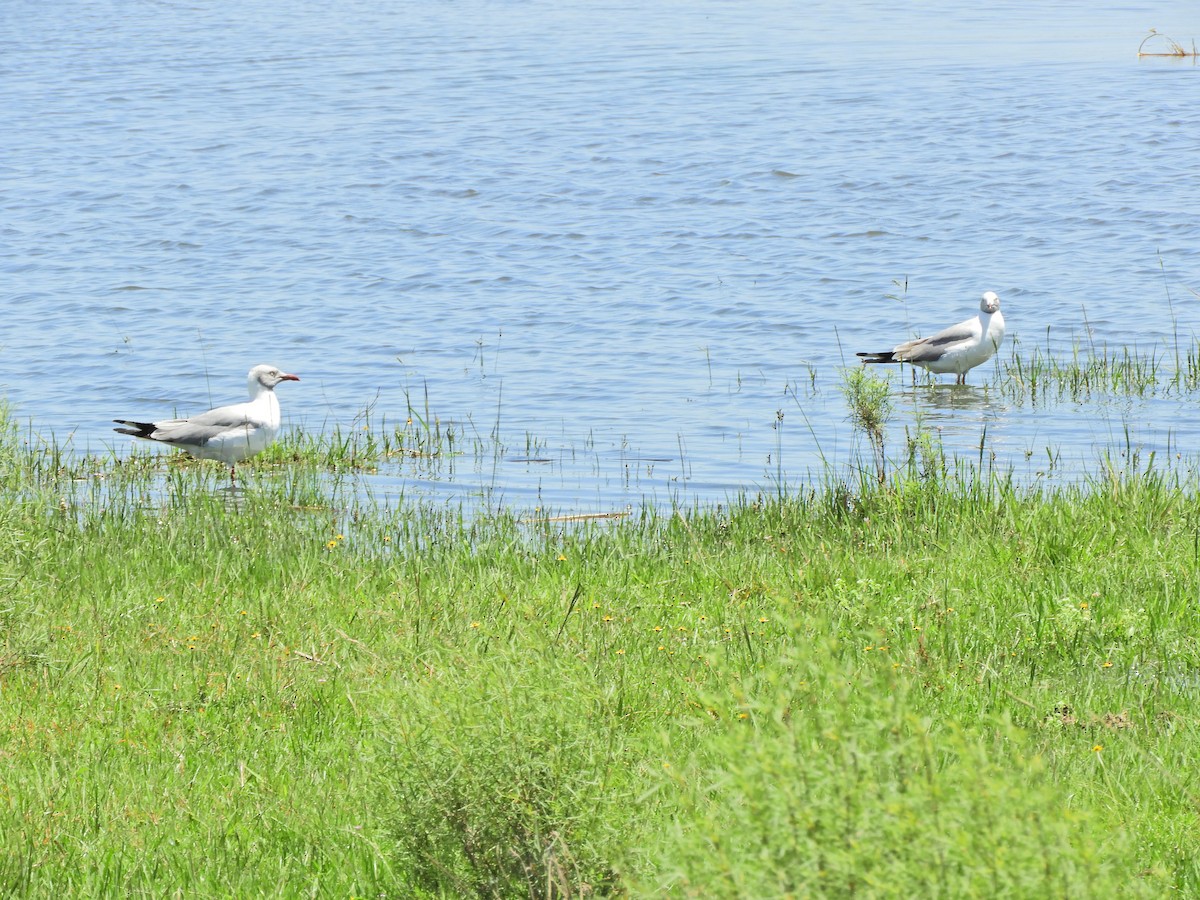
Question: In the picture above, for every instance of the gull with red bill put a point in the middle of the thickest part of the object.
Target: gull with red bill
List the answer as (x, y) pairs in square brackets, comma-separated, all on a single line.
[(227, 433), (956, 349)]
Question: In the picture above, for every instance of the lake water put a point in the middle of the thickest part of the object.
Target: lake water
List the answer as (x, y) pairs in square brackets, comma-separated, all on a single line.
[(634, 245)]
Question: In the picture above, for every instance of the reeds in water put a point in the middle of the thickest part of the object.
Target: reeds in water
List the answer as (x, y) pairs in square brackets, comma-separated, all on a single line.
[(1040, 376)]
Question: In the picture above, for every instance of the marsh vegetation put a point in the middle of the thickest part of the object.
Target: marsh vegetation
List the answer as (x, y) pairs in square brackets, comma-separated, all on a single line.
[(912, 676)]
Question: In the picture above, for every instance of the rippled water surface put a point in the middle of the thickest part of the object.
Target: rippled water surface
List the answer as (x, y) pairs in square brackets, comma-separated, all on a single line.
[(631, 245)]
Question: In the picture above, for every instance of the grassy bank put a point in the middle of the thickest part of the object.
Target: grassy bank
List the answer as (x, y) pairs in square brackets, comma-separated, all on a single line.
[(931, 687)]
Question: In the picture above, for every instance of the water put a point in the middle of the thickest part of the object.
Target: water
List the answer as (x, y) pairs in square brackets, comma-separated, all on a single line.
[(634, 244)]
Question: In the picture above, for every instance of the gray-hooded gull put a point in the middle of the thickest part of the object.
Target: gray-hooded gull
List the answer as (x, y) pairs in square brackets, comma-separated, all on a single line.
[(956, 349), (228, 433)]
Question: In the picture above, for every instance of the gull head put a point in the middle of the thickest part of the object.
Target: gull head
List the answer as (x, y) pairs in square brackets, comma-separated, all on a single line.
[(267, 377), (990, 302)]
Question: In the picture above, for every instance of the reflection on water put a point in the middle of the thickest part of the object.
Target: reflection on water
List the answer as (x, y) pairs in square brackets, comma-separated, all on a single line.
[(947, 400)]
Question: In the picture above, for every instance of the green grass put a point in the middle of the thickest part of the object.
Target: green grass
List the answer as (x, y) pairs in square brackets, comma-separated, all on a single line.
[(1096, 373), (868, 398), (945, 685), (365, 444)]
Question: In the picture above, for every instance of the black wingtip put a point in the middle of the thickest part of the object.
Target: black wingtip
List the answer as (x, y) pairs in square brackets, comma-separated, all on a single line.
[(138, 429), (886, 356)]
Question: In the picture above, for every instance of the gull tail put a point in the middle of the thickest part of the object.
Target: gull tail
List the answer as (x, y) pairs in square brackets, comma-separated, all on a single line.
[(138, 429), (884, 356)]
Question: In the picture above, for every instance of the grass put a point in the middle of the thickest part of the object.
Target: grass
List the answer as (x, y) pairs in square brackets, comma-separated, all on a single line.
[(868, 398), (365, 444), (1040, 377), (942, 685)]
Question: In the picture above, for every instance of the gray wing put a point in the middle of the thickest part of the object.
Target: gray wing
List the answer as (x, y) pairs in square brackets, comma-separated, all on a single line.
[(199, 430), (935, 346)]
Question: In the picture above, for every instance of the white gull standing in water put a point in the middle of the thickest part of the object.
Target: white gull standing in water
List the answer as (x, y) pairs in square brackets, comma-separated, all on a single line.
[(228, 433), (956, 349)]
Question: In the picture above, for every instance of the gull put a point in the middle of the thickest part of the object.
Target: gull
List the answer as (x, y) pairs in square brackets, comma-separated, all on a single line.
[(956, 349), (228, 433)]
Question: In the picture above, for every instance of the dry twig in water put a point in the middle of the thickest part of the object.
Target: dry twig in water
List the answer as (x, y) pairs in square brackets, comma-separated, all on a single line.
[(1174, 48)]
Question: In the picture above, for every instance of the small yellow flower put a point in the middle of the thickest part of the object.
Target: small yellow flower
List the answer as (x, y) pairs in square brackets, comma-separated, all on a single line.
[(657, 628), (561, 558), (1083, 605), (743, 715), (608, 618), (762, 619), (474, 624), (341, 537), (620, 653), (160, 599), (1107, 664), (242, 612), (704, 618), (1097, 748), (329, 545)]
